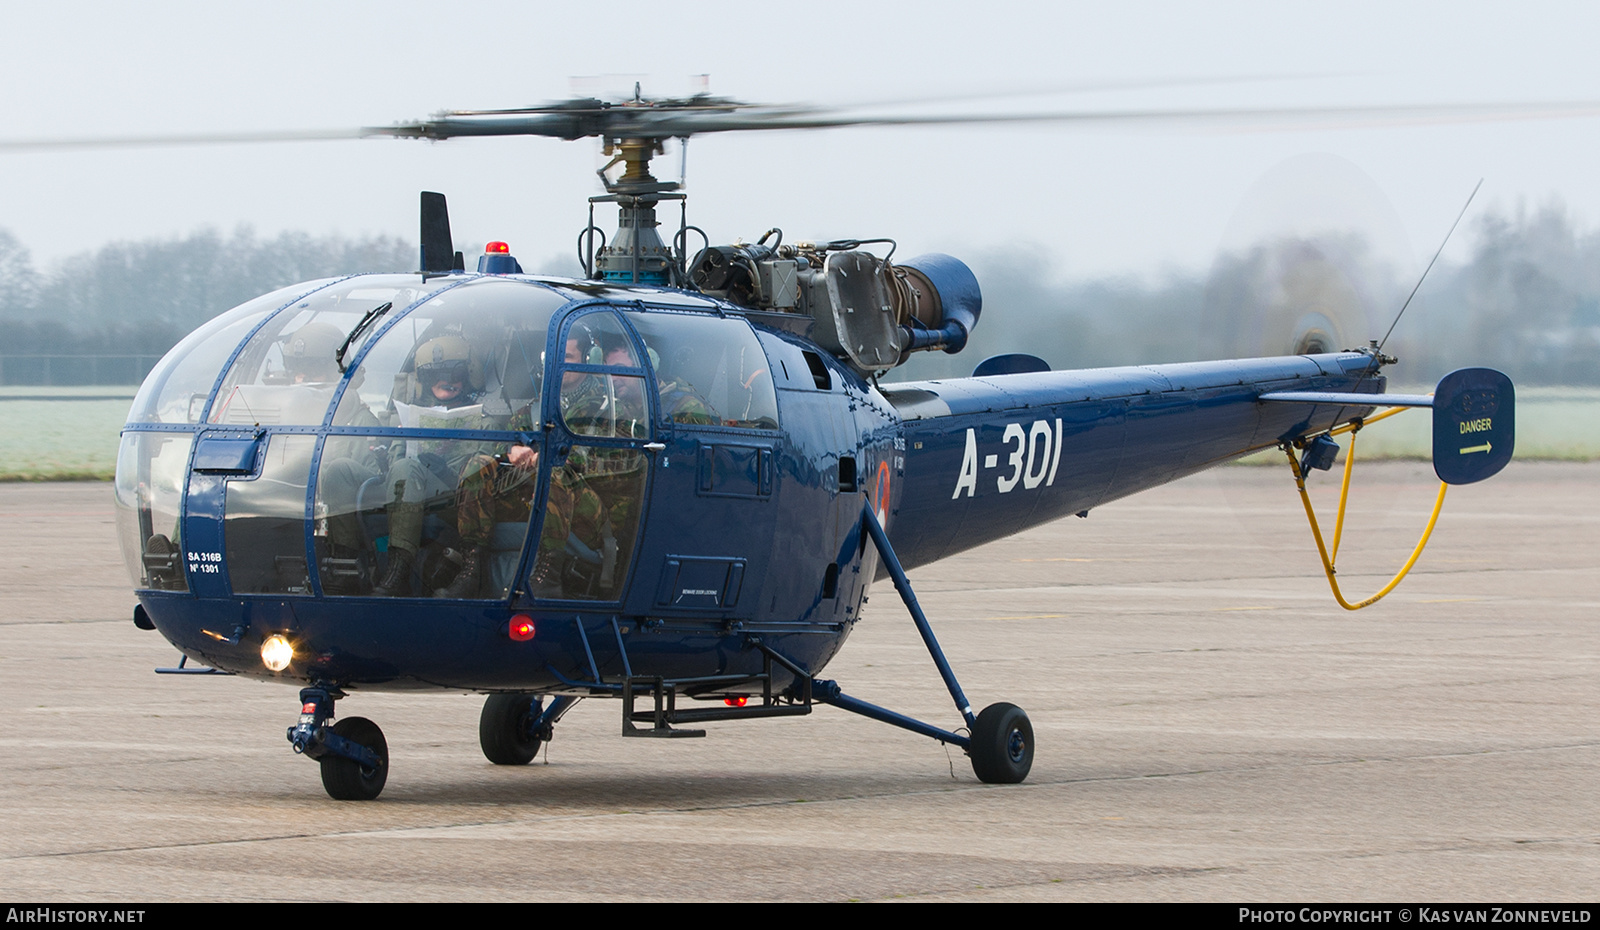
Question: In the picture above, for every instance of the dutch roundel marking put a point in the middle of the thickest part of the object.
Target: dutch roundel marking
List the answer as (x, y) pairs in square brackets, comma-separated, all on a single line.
[(1031, 457), (880, 494)]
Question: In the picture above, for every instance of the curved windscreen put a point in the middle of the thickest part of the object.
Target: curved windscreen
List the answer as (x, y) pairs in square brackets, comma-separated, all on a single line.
[(424, 514), (151, 470), (287, 373), (488, 336), (177, 388)]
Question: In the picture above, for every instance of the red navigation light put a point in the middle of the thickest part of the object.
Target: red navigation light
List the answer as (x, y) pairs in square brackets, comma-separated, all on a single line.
[(521, 628), (497, 248), (739, 701)]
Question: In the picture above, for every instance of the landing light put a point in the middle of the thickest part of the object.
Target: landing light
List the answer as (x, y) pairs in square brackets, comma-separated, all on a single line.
[(276, 653), (521, 628)]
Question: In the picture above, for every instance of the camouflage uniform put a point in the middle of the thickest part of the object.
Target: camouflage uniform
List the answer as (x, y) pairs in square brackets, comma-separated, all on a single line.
[(684, 405), (491, 494), (615, 474), (594, 497), (438, 468)]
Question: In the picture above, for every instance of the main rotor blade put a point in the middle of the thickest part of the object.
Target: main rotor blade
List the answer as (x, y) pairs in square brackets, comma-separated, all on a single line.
[(645, 122), (676, 120), (205, 138)]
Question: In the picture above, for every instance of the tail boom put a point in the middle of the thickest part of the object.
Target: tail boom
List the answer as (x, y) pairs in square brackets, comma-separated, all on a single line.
[(989, 457)]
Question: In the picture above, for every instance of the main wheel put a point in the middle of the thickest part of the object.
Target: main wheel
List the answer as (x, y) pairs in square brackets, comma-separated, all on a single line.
[(504, 729), (1002, 745), (347, 779)]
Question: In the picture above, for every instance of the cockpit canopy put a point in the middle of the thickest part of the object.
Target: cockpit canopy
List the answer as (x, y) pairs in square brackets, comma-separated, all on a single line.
[(310, 409)]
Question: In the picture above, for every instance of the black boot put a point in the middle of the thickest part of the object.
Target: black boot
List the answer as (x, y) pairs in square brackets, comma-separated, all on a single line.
[(546, 578), (468, 580), (396, 580)]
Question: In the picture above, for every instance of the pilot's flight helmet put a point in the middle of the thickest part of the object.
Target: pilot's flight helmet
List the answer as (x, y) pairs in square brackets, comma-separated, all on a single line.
[(444, 358), (310, 351)]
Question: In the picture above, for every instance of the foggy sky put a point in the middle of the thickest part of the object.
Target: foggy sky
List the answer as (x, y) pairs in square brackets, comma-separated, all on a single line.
[(1087, 202)]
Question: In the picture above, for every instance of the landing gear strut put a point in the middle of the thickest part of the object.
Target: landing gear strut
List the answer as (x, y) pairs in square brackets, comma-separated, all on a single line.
[(1001, 744), (353, 753)]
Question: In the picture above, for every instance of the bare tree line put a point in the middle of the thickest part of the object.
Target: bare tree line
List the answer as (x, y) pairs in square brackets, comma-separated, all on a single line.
[(1527, 301), (139, 298)]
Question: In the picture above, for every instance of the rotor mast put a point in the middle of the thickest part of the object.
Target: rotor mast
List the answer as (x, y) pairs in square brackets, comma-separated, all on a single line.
[(636, 254)]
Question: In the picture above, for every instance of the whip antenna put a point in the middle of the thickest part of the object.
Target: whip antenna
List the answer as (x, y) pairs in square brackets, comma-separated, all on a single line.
[(1425, 271)]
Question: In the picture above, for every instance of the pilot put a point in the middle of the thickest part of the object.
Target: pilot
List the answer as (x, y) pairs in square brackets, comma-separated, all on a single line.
[(310, 354), (443, 371)]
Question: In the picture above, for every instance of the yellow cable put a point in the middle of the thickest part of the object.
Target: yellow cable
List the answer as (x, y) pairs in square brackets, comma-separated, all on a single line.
[(1316, 531), (1358, 422), (1344, 494)]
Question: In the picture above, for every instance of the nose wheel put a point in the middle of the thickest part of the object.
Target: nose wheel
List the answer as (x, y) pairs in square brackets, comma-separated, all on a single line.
[(352, 753), (349, 780)]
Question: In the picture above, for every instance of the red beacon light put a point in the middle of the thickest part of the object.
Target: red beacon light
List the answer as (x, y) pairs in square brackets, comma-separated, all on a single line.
[(496, 259), (521, 628), (739, 701)]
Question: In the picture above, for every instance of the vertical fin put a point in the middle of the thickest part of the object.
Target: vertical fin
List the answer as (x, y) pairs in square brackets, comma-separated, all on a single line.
[(438, 251)]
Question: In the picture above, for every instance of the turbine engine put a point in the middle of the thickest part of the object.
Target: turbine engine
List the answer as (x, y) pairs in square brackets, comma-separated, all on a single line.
[(868, 311)]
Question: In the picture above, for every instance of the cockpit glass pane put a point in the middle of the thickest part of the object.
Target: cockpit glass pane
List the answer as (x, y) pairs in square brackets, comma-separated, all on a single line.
[(424, 515), (151, 468), (596, 492), (608, 403), (591, 520), (265, 523), (287, 374), (176, 389), (710, 370), (403, 518), (479, 346)]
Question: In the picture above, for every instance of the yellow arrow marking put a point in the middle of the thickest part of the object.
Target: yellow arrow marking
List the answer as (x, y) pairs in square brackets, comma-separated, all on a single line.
[(1483, 448)]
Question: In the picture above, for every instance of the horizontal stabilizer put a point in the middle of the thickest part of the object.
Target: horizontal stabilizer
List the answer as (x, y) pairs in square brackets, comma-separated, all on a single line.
[(1474, 425), (1350, 399), (1474, 419)]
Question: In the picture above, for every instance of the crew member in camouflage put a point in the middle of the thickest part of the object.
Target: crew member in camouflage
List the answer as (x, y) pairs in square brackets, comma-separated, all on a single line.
[(617, 474), (594, 502), (442, 369), (495, 490)]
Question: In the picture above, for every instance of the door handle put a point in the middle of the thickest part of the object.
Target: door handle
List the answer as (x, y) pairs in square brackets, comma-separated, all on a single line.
[(654, 446)]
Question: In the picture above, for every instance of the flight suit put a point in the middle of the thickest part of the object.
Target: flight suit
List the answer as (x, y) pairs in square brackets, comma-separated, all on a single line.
[(437, 469)]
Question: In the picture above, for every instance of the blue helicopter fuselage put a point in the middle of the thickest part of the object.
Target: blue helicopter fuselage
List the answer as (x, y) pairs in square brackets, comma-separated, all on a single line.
[(736, 526)]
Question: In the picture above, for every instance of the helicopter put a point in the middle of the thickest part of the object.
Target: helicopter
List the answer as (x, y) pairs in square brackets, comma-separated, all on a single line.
[(671, 482)]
